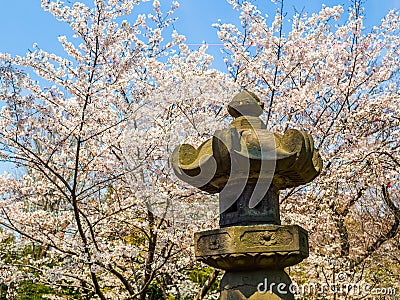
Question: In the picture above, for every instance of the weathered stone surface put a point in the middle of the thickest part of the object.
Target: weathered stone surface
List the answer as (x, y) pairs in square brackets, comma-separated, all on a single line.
[(245, 104), (248, 165), (256, 285), (245, 145), (257, 247), (241, 213)]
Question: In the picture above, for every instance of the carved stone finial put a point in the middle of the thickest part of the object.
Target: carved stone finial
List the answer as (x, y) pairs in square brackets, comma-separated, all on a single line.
[(245, 104)]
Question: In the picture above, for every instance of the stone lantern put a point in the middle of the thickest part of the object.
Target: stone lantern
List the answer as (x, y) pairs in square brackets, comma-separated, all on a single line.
[(248, 165)]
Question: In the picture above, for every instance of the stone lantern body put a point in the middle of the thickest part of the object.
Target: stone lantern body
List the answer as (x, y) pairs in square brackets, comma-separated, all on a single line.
[(248, 165)]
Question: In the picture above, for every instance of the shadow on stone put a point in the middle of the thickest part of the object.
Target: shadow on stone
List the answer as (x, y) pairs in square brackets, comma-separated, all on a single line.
[(256, 285)]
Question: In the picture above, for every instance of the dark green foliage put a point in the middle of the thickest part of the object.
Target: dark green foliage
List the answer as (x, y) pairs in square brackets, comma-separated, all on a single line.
[(201, 275), (154, 291), (28, 290)]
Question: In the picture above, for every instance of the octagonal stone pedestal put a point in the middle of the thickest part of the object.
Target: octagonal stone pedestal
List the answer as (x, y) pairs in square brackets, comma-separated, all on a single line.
[(254, 258)]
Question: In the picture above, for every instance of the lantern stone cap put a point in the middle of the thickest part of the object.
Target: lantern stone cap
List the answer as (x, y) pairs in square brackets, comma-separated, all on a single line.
[(241, 152)]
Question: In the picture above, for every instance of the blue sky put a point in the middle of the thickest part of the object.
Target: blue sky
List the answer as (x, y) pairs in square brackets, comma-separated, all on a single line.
[(23, 22)]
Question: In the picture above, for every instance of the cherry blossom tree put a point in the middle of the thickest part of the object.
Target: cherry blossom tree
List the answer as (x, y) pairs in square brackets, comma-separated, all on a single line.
[(90, 133)]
